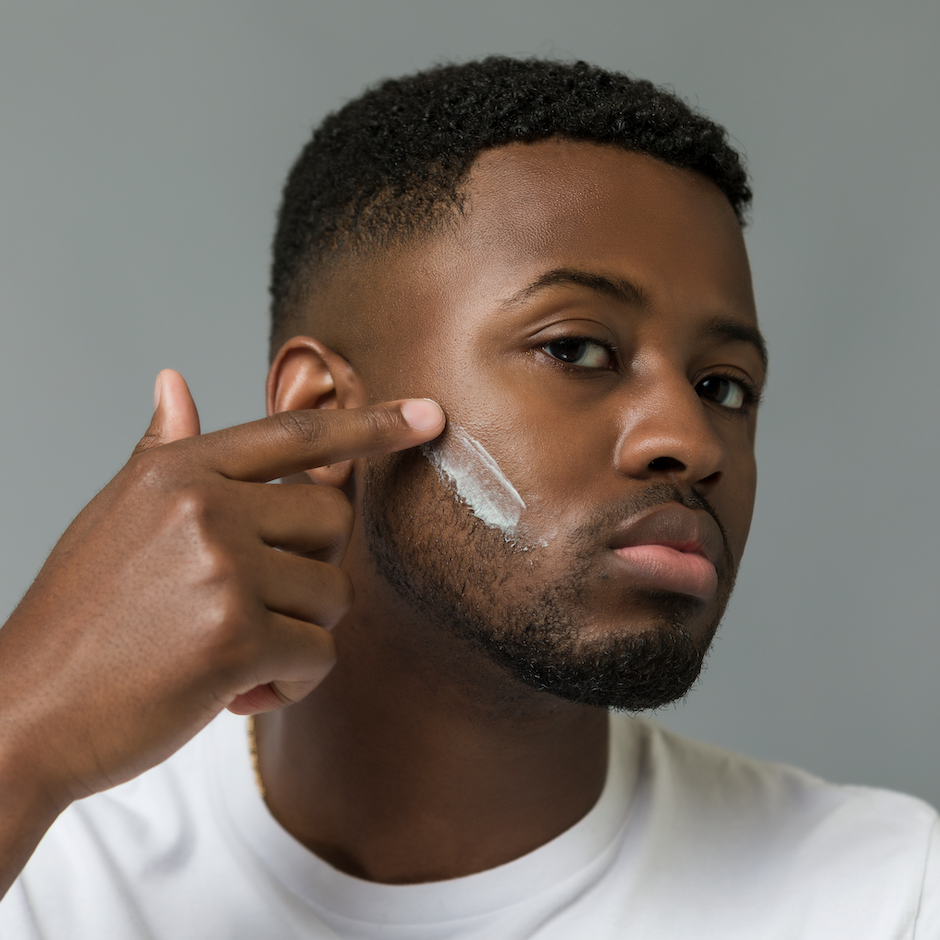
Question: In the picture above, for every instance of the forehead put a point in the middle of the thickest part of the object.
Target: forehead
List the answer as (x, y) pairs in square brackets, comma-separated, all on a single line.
[(563, 203)]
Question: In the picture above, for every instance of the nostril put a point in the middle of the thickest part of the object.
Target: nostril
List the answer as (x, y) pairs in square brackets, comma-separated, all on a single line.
[(667, 465)]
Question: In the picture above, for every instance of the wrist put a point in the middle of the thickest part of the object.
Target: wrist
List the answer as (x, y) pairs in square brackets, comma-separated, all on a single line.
[(27, 810), (25, 788)]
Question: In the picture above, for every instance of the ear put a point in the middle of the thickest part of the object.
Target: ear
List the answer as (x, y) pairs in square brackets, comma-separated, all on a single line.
[(306, 374)]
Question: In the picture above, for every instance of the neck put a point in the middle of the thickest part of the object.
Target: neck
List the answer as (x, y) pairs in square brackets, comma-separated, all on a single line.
[(419, 760)]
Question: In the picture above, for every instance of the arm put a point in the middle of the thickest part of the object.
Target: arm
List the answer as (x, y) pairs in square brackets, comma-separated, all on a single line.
[(178, 591)]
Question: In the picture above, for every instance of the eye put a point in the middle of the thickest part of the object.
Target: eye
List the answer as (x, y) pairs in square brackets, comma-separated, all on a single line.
[(580, 351), (733, 394)]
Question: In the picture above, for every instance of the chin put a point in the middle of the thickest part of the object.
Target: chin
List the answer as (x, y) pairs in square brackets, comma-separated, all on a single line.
[(629, 669)]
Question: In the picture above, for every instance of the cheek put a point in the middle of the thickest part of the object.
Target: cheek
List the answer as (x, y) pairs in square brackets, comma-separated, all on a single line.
[(563, 468), (517, 473), (463, 462), (735, 504)]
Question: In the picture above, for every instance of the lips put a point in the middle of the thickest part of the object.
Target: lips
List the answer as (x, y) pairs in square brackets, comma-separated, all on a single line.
[(672, 548)]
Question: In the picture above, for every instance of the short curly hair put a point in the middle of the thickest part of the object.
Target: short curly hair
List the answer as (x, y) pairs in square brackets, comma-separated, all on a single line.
[(390, 164)]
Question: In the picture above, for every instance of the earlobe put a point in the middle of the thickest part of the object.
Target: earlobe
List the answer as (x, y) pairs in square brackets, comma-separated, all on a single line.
[(306, 374)]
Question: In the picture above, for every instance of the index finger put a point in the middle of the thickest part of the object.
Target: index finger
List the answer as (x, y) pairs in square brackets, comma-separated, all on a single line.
[(294, 441)]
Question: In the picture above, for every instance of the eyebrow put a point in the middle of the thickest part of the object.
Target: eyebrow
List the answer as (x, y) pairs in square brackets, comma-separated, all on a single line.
[(617, 288), (736, 332), (626, 292)]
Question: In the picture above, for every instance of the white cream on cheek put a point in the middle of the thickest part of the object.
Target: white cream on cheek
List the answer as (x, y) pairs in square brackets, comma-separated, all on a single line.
[(479, 482)]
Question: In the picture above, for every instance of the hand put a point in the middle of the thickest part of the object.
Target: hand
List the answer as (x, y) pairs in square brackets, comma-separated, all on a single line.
[(180, 590)]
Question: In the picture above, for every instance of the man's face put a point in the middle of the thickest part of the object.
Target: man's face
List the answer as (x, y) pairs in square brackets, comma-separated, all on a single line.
[(589, 329)]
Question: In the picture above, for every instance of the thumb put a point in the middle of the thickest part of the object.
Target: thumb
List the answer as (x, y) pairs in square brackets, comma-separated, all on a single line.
[(174, 416)]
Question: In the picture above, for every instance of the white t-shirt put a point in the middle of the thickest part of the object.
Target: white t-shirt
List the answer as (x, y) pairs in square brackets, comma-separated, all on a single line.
[(686, 841)]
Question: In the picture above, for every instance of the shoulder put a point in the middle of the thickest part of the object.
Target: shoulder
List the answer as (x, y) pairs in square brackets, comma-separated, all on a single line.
[(760, 792), (780, 833)]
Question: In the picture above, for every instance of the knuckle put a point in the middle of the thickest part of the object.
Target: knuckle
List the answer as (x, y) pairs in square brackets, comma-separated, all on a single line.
[(148, 470), (381, 424), (156, 473), (191, 509), (218, 570), (231, 643), (193, 530), (302, 426)]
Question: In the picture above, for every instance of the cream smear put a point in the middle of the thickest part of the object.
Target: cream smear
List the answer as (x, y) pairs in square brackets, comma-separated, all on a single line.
[(479, 482)]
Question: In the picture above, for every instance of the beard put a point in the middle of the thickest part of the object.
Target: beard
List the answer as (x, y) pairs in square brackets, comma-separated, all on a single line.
[(502, 597)]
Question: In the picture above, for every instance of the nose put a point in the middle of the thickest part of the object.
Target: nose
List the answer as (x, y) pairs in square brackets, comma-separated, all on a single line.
[(668, 434)]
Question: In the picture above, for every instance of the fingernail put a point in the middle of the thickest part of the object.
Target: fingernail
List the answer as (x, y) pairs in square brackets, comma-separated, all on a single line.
[(422, 413), (157, 389)]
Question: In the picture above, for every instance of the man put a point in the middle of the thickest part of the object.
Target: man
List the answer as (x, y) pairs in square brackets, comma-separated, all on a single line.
[(552, 253)]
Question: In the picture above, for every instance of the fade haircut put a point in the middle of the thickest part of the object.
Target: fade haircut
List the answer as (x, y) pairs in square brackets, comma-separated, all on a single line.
[(391, 164)]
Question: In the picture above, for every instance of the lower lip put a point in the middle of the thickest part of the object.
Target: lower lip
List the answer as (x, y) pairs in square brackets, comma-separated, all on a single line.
[(671, 570)]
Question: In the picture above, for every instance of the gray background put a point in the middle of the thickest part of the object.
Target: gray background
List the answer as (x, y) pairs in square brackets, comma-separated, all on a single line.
[(142, 150)]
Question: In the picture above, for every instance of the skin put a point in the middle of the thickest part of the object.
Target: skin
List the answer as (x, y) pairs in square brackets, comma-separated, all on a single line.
[(417, 744), (417, 757), (165, 602)]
